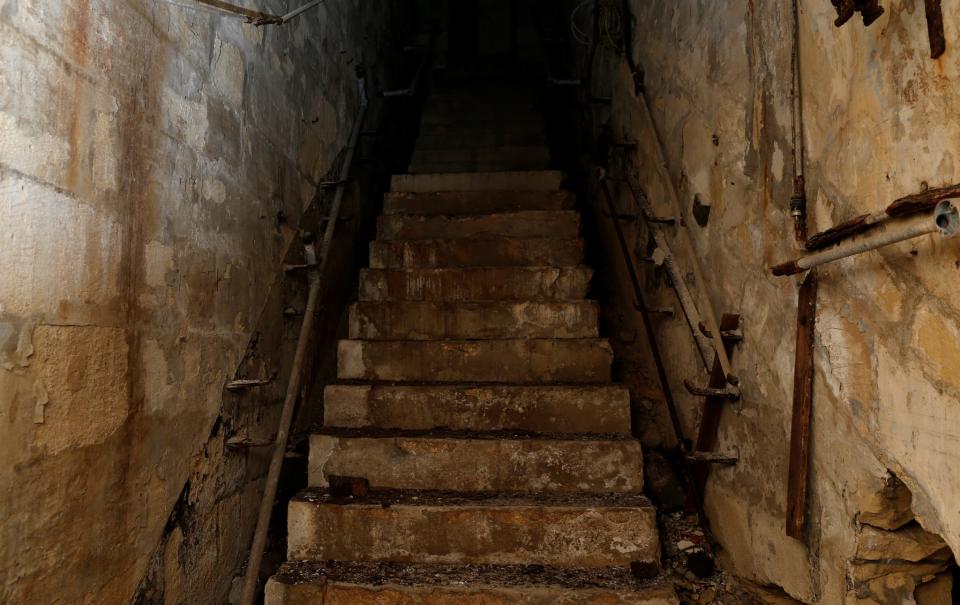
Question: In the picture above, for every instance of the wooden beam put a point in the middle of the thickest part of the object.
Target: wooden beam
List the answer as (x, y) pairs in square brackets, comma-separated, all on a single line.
[(802, 407)]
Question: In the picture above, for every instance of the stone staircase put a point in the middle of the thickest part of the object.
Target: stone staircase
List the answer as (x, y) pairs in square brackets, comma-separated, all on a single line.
[(476, 451)]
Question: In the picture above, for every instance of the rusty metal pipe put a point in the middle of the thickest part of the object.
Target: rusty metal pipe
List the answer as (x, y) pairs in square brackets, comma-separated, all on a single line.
[(944, 220), (682, 443), (644, 313), (293, 387)]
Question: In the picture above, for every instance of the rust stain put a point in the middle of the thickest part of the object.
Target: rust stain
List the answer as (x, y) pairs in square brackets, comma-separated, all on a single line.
[(78, 22)]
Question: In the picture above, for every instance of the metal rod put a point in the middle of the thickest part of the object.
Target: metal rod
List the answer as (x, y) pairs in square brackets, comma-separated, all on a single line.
[(677, 280), (293, 387), (707, 306), (803, 376), (297, 11), (641, 306), (945, 220)]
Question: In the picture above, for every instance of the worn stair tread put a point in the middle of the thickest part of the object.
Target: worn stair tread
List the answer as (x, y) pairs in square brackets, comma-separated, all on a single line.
[(345, 582), (476, 284), (603, 409), (487, 252), (541, 224), (467, 203), (464, 320), (516, 361), (472, 464), (537, 180), (571, 531)]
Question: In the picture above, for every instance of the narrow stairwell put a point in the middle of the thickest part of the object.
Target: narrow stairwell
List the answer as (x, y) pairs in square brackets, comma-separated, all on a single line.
[(475, 398)]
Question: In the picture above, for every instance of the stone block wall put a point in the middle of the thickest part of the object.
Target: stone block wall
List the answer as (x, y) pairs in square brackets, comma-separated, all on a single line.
[(155, 161), (880, 123)]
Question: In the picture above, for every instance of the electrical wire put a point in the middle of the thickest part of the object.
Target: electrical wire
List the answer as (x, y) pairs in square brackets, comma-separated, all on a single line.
[(611, 24)]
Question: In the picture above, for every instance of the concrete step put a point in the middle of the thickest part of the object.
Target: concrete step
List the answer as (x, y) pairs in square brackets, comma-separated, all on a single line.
[(603, 409), (476, 139), (534, 180), (563, 224), (472, 320), (532, 153), (493, 361), (356, 583), (497, 252), (474, 464), (476, 284), (472, 203), (565, 531), (475, 166)]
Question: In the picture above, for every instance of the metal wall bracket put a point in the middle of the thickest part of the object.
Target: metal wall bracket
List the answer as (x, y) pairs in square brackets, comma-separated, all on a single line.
[(244, 384)]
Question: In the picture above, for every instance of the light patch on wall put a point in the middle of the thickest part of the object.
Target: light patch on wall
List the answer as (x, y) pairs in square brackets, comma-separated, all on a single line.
[(54, 249), (30, 151), (937, 339), (776, 163), (214, 190), (82, 371), (105, 152), (920, 429), (184, 119), (228, 73)]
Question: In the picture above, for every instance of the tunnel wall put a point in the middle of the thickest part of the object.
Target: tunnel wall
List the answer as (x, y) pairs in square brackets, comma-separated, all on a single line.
[(155, 163), (880, 123)]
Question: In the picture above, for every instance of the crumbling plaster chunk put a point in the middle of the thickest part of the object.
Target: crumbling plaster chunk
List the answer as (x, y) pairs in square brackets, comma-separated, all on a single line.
[(918, 428)]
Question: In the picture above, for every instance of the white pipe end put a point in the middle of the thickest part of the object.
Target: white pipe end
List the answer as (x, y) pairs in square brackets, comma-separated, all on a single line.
[(947, 218)]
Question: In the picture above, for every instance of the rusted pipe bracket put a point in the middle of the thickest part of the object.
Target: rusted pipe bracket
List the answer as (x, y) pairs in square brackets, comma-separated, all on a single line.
[(727, 394), (244, 384), (241, 443), (303, 267), (729, 336), (728, 459), (666, 311)]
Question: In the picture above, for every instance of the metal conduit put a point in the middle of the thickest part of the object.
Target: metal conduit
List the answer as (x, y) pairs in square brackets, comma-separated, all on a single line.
[(944, 220)]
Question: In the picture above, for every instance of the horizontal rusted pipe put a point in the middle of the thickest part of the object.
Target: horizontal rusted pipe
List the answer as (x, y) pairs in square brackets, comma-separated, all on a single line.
[(944, 220)]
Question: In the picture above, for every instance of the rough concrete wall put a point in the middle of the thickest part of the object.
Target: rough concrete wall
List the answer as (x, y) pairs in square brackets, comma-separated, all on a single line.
[(880, 122), (153, 161)]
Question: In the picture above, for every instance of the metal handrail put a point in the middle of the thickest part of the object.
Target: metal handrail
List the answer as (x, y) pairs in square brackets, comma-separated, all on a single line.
[(641, 306), (316, 269)]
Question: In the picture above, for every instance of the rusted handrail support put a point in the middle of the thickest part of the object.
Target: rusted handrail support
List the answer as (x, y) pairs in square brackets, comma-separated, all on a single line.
[(641, 306), (710, 318), (319, 266), (677, 282)]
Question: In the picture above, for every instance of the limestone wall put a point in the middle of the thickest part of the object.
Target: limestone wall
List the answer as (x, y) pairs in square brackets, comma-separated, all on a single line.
[(154, 162), (880, 122)]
